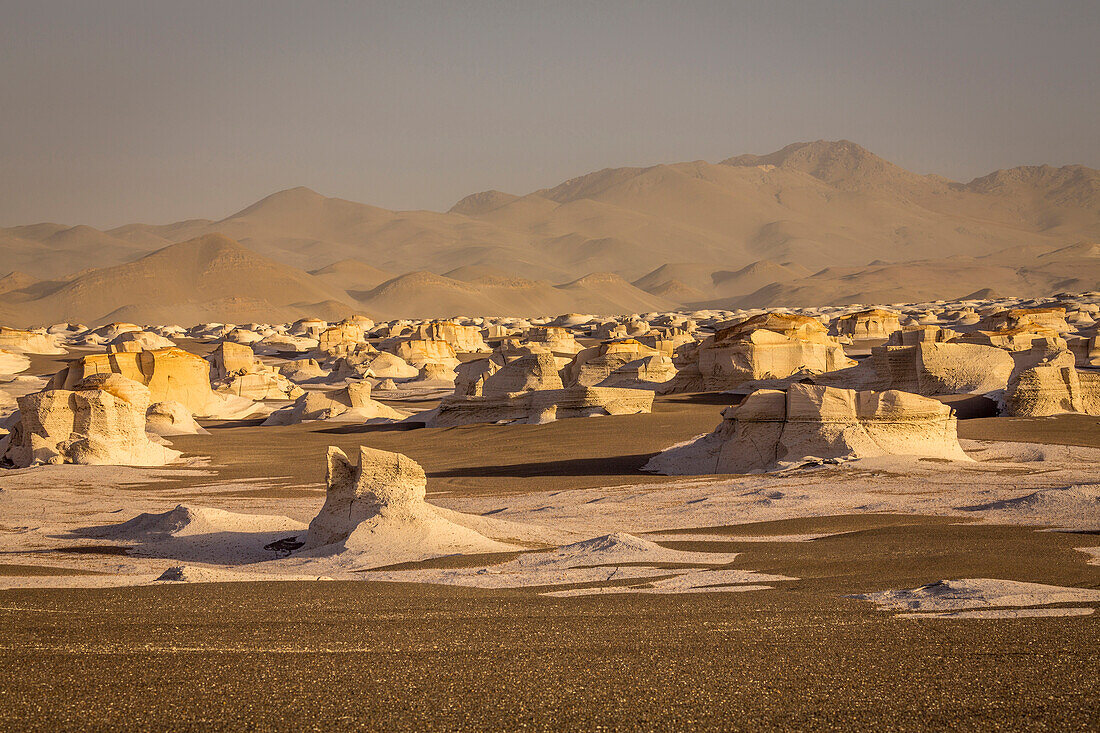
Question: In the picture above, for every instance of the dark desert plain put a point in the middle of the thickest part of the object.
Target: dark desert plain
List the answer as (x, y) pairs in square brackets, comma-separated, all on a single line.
[(395, 656), (557, 366)]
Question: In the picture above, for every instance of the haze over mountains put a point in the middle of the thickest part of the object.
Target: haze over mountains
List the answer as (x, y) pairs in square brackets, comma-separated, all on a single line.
[(813, 223)]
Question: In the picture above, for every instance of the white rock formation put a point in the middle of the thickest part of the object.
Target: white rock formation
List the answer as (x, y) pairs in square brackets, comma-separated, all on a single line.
[(350, 404), (539, 406), (139, 341), (1051, 387), (875, 323), (773, 429), (525, 374), (376, 513), (100, 421), (166, 419), (768, 346), (28, 342), (13, 363), (934, 368), (170, 374), (593, 365), (466, 339), (647, 373)]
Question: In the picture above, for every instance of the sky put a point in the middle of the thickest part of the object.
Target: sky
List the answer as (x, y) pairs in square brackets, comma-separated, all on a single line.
[(155, 110)]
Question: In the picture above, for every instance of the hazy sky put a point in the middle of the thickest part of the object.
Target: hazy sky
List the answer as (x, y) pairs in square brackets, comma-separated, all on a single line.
[(157, 110)]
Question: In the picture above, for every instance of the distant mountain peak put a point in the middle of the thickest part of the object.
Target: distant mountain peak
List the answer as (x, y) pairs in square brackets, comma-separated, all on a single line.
[(287, 199), (832, 161), (482, 202)]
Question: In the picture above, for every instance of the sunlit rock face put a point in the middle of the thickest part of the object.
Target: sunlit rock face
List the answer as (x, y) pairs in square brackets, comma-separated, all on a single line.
[(100, 421), (773, 429), (768, 346)]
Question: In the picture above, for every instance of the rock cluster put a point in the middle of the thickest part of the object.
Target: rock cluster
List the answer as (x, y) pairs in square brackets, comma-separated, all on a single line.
[(100, 421)]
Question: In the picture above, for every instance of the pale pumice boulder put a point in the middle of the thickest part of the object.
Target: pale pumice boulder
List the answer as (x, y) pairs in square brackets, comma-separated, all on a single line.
[(419, 352), (237, 372), (470, 376), (139, 341), (528, 373), (773, 429), (647, 373), (934, 368), (231, 358), (375, 514), (302, 370), (383, 366), (338, 340), (262, 384), (873, 324), (433, 376), (768, 346), (554, 339), (1023, 318), (539, 406), (466, 339), (284, 344), (166, 419), (353, 403), (29, 342), (1051, 387), (593, 365), (913, 335), (101, 421)]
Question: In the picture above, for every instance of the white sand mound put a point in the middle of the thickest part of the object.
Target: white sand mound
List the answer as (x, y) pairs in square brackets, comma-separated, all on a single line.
[(704, 581), (13, 363), (375, 514), (610, 557), (1074, 507), (201, 534), (976, 593)]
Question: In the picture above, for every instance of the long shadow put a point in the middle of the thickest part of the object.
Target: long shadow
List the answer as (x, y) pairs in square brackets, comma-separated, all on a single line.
[(355, 429), (611, 466), (247, 422), (704, 398)]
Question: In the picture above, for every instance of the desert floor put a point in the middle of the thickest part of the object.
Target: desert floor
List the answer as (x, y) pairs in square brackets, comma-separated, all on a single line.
[(417, 656)]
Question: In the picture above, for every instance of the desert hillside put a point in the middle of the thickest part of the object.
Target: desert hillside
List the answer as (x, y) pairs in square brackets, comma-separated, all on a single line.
[(810, 223)]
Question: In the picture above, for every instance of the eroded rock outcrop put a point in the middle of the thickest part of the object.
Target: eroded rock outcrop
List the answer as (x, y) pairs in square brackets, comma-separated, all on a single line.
[(99, 421), (28, 342), (872, 324), (935, 368), (1052, 387), (540, 406), (353, 403), (593, 365), (773, 429), (170, 374), (375, 511), (768, 346)]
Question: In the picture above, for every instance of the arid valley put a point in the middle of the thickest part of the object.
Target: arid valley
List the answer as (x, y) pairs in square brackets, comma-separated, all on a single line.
[(795, 440)]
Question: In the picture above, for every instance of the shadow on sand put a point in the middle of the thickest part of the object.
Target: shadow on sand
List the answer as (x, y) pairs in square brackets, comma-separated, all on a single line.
[(610, 466)]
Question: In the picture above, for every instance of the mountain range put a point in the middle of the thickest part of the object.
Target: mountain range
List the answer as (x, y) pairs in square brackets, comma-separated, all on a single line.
[(813, 223)]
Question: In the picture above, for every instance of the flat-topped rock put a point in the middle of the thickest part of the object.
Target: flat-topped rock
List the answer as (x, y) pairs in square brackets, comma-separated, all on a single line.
[(773, 429)]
